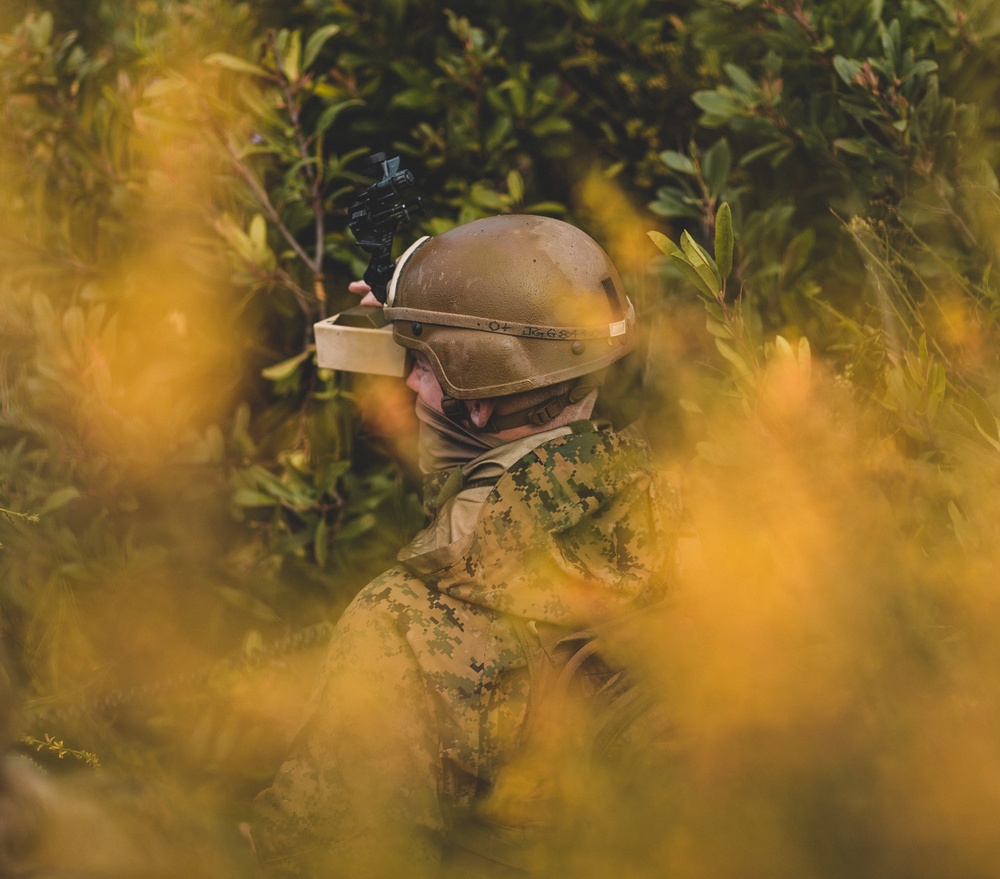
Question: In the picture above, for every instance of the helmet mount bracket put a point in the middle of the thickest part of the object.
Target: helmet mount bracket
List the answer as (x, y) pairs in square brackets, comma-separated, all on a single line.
[(375, 216)]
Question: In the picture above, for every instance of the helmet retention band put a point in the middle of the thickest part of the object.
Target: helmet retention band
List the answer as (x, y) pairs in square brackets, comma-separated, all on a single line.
[(536, 414)]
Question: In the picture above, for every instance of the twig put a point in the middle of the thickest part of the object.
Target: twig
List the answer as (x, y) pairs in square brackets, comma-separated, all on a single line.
[(265, 201), (312, 169)]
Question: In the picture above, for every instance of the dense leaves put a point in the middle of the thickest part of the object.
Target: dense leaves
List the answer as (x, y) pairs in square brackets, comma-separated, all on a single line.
[(182, 489), (831, 111)]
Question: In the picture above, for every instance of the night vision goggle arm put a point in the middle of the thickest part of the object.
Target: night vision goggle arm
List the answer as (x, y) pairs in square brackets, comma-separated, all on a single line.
[(374, 217)]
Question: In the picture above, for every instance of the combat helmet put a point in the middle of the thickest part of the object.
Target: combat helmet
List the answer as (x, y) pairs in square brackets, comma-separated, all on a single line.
[(508, 304)]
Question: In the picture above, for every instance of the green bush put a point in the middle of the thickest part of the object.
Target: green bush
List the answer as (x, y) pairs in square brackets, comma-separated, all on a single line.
[(830, 112), (186, 498)]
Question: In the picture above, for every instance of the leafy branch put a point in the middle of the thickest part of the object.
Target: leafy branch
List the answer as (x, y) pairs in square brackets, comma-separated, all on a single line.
[(709, 275), (312, 167), (286, 72), (58, 747), (10, 515)]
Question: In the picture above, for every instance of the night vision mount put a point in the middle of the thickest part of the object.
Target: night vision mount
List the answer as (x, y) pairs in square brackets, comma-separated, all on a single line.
[(373, 219), (359, 339)]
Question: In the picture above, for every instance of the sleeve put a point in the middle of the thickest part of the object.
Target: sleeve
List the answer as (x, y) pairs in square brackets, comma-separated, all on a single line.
[(358, 794)]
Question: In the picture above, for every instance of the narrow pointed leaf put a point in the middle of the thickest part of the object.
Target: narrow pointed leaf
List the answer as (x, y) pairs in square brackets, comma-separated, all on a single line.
[(701, 262), (730, 354), (691, 275), (982, 413), (231, 62), (724, 240), (316, 42), (663, 243)]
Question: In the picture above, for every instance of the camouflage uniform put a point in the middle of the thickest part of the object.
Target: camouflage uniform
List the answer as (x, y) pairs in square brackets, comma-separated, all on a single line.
[(423, 700)]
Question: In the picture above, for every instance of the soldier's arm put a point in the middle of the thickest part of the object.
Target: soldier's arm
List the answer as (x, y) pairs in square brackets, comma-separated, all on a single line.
[(357, 795)]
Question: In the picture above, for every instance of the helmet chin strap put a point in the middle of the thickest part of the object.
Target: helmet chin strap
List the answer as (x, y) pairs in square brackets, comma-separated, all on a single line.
[(537, 414)]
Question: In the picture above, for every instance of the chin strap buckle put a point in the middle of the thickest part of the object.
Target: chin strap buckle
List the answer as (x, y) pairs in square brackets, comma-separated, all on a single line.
[(454, 410), (544, 414), (534, 415)]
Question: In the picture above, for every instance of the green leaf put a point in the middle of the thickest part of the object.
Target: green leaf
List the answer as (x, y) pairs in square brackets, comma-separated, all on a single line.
[(847, 68), (779, 157), (783, 348), (293, 54), (286, 368), (718, 329), (891, 43), (714, 311), (692, 275), (58, 499), (487, 198), (853, 146), (716, 164), (718, 108), (798, 252), (677, 162), (414, 99), (551, 125), (239, 65), (316, 42), (760, 152), (357, 527), (515, 186), (701, 263), (804, 356), (724, 240), (327, 484), (40, 29), (742, 80), (518, 96), (499, 131), (937, 385), (920, 68), (730, 354), (695, 253), (674, 203), (245, 497), (164, 86), (321, 543), (258, 237), (587, 11), (329, 115), (663, 243), (983, 414), (496, 100)]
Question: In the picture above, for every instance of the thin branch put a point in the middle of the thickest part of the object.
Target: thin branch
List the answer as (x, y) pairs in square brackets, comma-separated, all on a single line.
[(10, 514), (313, 171), (265, 202)]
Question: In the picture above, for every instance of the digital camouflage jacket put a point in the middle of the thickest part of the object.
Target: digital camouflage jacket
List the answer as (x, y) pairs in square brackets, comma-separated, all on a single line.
[(422, 704)]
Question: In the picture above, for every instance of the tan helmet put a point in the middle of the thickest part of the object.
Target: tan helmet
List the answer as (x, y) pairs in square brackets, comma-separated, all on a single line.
[(508, 304)]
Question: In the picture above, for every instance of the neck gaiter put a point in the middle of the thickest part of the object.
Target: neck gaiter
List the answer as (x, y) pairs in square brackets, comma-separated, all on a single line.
[(442, 444)]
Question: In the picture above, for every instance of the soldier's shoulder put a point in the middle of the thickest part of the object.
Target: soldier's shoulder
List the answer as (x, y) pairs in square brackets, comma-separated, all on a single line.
[(587, 466), (392, 589), (404, 603)]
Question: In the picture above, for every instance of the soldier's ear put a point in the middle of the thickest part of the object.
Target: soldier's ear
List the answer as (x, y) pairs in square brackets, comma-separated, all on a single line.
[(480, 411)]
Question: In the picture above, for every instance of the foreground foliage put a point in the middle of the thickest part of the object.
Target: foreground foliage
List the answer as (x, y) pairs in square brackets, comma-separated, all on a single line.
[(186, 500)]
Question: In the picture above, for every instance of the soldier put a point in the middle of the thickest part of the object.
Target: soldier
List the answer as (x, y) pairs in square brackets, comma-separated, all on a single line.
[(420, 752)]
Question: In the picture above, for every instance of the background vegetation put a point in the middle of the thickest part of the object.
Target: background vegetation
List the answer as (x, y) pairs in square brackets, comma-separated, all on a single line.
[(187, 501)]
